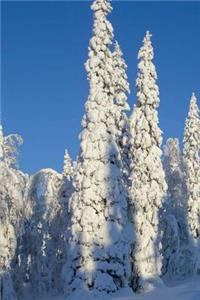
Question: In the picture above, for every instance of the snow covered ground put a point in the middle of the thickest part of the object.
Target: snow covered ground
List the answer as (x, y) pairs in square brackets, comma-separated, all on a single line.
[(184, 290)]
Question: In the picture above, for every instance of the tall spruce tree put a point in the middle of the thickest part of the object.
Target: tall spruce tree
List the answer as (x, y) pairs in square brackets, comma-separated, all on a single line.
[(174, 169), (98, 243), (121, 88), (192, 161), (175, 237), (147, 175)]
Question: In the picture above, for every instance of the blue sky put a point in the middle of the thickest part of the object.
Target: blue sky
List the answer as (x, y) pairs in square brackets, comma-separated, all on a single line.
[(44, 85)]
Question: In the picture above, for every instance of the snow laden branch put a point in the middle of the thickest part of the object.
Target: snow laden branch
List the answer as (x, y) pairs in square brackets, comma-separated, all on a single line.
[(98, 258), (192, 161), (12, 189), (178, 252), (147, 175), (121, 88), (9, 149), (67, 166)]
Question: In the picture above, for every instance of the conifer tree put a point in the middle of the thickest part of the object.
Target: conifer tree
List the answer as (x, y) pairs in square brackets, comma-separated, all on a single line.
[(11, 145), (174, 170), (67, 167), (147, 175), (175, 236), (43, 244), (121, 88), (192, 161), (98, 243), (12, 186), (9, 149)]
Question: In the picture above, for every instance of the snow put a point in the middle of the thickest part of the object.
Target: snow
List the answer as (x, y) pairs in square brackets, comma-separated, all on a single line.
[(192, 160), (67, 166), (44, 243), (187, 289), (148, 185), (98, 241), (108, 226)]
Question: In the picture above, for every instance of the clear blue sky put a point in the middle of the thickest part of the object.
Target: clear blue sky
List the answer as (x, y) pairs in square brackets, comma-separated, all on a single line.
[(44, 86)]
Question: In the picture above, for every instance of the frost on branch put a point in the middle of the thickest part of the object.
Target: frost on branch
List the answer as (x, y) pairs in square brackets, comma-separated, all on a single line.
[(121, 88), (44, 240), (177, 250), (147, 175), (1, 143), (12, 189), (192, 161), (99, 238), (67, 167), (12, 143), (9, 149), (174, 169)]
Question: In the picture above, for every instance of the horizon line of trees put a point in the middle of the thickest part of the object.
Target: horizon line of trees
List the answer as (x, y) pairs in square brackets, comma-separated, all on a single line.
[(124, 214)]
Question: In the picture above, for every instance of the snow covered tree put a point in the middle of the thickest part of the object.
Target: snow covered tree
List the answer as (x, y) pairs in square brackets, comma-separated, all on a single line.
[(192, 161), (11, 146), (12, 189), (98, 242), (147, 175), (12, 186), (9, 149), (174, 170), (175, 237), (67, 167), (1, 143), (44, 243), (121, 88)]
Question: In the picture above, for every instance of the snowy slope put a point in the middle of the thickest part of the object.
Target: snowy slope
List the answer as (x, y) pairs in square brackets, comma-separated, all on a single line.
[(185, 290)]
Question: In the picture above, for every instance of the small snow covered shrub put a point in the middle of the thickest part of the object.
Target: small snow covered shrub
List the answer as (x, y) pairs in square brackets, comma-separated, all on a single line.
[(173, 217), (44, 241), (12, 189)]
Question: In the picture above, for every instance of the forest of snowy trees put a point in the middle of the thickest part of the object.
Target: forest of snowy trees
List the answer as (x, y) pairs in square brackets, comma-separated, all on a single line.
[(126, 213)]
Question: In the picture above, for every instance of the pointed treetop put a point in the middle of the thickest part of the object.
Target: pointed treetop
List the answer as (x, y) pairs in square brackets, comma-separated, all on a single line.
[(119, 76), (66, 154), (193, 110), (67, 168), (103, 5), (148, 36), (147, 89), (146, 51), (192, 128), (193, 99)]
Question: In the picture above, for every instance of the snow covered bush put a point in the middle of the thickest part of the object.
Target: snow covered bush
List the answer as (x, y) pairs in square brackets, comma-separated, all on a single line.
[(175, 235), (147, 175), (44, 239), (9, 149), (12, 187), (99, 238), (175, 176), (192, 161)]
